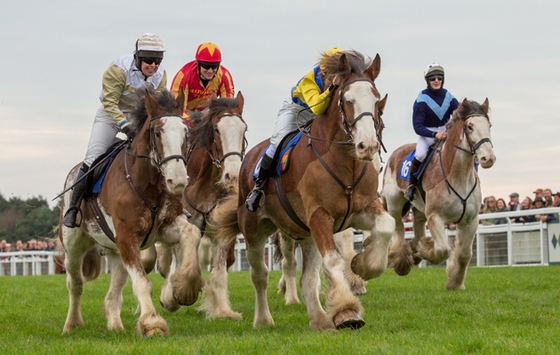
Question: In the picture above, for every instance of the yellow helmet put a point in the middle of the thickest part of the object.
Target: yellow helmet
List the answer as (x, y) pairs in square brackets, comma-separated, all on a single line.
[(332, 51)]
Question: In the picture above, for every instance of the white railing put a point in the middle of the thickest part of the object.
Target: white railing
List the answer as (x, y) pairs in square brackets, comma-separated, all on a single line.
[(23, 263), (510, 244)]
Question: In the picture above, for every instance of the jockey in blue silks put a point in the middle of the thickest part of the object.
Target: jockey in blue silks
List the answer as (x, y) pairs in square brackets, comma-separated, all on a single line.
[(431, 111)]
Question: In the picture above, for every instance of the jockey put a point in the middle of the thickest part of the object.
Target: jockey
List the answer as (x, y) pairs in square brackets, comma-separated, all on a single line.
[(309, 98), (431, 111), (124, 77), (202, 77)]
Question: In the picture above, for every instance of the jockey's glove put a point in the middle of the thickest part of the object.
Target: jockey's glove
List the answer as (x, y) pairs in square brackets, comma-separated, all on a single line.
[(129, 133)]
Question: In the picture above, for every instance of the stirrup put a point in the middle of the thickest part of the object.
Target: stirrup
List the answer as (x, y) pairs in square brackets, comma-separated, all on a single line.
[(252, 201)]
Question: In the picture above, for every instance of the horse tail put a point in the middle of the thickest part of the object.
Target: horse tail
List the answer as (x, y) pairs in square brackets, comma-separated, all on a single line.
[(275, 240), (224, 219), (91, 265)]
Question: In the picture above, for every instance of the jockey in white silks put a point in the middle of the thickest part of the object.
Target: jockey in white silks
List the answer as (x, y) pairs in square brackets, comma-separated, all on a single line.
[(124, 77), (431, 111)]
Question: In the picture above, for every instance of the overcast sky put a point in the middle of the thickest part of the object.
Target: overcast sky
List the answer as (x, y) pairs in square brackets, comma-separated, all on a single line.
[(55, 52)]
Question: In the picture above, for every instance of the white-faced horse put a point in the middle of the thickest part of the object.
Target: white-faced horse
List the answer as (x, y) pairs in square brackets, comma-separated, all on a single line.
[(452, 195), (139, 204), (331, 185), (216, 148)]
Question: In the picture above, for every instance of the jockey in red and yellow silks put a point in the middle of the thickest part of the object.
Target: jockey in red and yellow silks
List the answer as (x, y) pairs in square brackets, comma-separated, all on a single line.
[(201, 77)]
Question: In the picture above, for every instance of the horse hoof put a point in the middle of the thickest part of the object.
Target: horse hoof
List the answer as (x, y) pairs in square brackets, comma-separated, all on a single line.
[(348, 319), (155, 332)]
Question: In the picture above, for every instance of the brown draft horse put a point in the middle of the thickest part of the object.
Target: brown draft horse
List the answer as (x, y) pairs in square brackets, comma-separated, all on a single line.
[(453, 195), (286, 246), (216, 149), (331, 185), (141, 203)]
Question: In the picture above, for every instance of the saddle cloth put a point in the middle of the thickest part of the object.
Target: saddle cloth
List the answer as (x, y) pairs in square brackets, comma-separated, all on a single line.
[(283, 158)]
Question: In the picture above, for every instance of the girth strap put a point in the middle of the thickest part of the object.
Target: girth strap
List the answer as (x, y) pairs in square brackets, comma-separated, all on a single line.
[(101, 219), (286, 204)]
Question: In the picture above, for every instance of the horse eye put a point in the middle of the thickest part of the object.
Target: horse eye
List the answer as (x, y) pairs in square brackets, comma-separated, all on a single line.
[(470, 127)]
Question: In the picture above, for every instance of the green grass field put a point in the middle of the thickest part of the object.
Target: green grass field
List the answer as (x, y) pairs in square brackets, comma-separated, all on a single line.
[(510, 310)]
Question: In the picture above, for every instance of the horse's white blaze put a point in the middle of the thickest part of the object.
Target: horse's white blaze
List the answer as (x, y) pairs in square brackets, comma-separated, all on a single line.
[(232, 131), (172, 138), (481, 130), (365, 136)]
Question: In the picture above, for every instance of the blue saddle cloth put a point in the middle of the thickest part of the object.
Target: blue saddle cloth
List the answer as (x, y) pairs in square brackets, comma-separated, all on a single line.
[(101, 171), (283, 157), (404, 171)]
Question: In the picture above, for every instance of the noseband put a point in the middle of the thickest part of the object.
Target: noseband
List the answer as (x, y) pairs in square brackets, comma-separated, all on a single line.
[(473, 147), (348, 125), (217, 162)]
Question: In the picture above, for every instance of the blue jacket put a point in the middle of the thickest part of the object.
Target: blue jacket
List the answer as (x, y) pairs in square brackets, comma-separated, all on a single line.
[(432, 108)]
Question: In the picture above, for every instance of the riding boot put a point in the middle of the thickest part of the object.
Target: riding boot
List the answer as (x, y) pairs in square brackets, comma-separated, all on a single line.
[(412, 180), (78, 191), (252, 201)]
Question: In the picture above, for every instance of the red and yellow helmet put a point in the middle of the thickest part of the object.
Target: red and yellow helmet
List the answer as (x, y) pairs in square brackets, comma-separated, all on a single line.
[(208, 52)]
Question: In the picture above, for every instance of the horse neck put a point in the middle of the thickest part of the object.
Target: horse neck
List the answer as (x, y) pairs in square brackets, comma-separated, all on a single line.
[(457, 164), (141, 168), (201, 168)]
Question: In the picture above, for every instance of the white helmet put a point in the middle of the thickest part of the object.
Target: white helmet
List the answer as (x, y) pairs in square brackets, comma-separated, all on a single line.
[(433, 69), (149, 45)]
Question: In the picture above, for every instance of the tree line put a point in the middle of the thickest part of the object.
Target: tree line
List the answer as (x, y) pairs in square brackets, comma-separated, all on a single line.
[(27, 219)]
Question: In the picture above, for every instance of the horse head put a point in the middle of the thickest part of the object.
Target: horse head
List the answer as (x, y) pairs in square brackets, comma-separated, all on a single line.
[(221, 130), (358, 100), (162, 134), (476, 130)]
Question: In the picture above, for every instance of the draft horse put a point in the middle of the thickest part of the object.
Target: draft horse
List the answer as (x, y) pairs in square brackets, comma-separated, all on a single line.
[(216, 149), (286, 246), (331, 185), (140, 201), (452, 195)]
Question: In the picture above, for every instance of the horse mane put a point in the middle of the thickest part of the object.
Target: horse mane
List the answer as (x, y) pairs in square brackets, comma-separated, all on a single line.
[(466, 109), (329, 64), (139, 114), (201, 131)]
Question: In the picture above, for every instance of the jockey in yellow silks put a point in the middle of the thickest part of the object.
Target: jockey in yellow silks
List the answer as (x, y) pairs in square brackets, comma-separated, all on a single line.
[(309, 93)]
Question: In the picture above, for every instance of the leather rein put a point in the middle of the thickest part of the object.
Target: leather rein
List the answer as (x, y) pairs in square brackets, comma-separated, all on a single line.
[(158, 162), (216, 161), (472, 150), (347, 127)]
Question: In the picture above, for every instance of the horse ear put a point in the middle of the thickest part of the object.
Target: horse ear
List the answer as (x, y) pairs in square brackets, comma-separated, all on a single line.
[(240, 101), (381, 103), (180, 99), (343, 65), (375, 67), (213, 96), (151, 103), (485, 106), (465, 102)]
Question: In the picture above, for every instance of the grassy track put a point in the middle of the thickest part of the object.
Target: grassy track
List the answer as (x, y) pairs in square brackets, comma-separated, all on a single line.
[(503, 311)]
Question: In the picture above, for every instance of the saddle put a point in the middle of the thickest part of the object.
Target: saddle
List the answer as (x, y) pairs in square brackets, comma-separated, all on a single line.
[(404, 170), (94, 180)]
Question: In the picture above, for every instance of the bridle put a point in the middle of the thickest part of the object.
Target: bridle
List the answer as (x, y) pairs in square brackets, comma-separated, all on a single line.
[(473, 147), (156, 158), (158, 162), (348, 125), (217, 161), (472, 151), (214, 155)]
